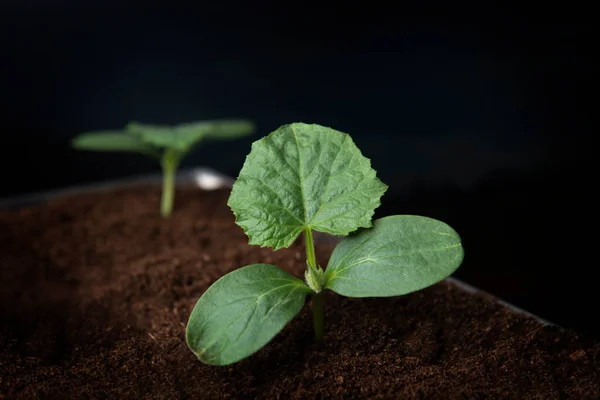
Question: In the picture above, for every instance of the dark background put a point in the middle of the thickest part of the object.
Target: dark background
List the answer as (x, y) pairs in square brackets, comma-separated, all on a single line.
[(484, 122)]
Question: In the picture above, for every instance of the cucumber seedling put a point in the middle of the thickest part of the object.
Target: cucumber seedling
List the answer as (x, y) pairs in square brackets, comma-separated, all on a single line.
[(167, 144), (299, 179)]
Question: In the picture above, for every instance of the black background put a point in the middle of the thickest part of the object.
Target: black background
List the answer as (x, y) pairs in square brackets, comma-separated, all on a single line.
[(481, 118)]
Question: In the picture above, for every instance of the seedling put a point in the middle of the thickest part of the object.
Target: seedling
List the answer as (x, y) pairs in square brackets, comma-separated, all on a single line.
[(299, 179), (167, 144)]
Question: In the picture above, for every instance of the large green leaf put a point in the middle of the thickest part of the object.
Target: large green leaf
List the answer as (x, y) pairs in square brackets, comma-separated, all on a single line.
[(183, 136), (243, 311), (304, 176), (111, 141), (399, 255)]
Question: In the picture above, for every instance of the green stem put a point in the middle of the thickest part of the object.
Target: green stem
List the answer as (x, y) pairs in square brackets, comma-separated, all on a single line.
[(169, 162), (317, 297), (318, 318)]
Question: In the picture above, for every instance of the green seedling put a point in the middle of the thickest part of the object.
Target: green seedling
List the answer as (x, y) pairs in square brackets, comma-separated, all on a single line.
[(167, 144), (299, 179)]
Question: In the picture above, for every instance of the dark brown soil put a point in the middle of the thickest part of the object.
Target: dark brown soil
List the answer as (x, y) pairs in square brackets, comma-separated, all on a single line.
[(95, 292)]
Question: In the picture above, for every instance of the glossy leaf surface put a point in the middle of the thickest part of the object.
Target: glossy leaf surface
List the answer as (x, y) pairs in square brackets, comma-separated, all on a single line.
[(242, 312), (399, 255)]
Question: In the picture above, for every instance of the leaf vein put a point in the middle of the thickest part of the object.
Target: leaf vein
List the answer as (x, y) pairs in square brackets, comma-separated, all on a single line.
[(337, 271)]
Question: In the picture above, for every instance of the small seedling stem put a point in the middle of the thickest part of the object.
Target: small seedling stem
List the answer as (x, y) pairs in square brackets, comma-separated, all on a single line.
[(169, 162), (317, 297), (318, 319)]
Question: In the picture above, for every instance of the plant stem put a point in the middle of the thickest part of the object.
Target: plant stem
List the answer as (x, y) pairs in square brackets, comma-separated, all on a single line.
[(317, 297), (318, 318), (169, 162)]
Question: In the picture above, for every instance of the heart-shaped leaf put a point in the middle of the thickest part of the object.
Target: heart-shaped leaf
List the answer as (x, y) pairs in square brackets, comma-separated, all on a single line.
[(399, 255), (304, 177), (243, 311)]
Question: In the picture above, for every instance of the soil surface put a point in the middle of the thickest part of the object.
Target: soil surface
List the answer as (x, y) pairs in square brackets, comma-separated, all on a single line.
[(96, 289)]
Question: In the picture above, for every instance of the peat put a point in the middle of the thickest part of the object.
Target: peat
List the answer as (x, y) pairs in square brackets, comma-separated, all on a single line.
[(96, 289)]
